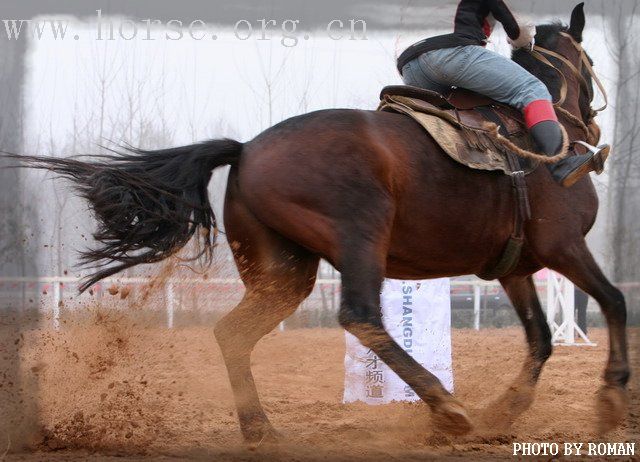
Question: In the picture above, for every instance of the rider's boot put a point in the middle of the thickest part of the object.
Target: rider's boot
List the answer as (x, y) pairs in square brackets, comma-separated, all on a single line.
[(545, 130)]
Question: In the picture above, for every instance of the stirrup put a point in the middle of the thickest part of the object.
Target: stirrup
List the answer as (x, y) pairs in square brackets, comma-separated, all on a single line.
[(600, 155)]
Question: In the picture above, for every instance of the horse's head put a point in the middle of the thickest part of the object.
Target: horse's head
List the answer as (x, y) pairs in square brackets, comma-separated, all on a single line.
[(561, 63)]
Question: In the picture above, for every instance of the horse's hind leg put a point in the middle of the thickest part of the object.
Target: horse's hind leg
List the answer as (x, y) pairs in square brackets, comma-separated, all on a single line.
[(278, 275), (576, 262), (519, 396)]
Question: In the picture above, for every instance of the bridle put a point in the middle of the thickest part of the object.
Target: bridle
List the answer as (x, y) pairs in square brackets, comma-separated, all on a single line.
[(539, 53)]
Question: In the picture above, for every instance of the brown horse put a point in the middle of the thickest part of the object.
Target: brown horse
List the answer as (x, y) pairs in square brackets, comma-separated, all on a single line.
[(374, 195)]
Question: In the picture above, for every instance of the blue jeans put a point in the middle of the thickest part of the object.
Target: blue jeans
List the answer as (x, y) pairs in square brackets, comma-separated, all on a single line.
[(475, 68)]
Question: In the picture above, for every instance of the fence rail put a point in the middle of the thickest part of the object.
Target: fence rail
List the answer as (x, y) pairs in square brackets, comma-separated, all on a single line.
[(54, 289), (57, 287)]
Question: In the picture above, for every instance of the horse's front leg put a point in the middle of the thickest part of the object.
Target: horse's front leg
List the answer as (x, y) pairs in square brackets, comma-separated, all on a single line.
[(360, 314), (519, 396), (577, 263)]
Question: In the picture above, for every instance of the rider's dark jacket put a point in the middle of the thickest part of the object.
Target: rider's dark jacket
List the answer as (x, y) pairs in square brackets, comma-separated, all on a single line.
[(472, 27)]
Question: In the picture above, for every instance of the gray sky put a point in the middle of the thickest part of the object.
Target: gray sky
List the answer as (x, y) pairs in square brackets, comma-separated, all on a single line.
[(390, 14)]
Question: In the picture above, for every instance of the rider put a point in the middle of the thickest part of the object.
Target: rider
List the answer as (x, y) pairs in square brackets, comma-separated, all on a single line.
[(460, 59)]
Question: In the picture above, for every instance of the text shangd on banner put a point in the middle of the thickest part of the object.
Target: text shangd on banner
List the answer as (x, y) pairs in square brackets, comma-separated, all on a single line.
[(417, 315)]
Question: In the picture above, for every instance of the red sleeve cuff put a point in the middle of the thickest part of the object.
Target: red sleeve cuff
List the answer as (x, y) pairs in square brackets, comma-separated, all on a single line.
[(538, 111)]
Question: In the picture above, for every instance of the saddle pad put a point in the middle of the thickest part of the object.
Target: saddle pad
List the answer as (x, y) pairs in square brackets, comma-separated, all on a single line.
[(473, 146)]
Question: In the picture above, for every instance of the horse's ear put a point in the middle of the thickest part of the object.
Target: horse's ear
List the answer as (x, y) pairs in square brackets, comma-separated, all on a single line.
[(577, 22)]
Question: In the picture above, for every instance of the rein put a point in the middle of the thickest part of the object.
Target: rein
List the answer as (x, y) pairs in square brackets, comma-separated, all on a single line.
[(539, 53)]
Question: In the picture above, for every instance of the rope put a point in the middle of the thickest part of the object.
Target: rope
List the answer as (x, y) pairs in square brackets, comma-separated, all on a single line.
[(573, 119), (542, 158)]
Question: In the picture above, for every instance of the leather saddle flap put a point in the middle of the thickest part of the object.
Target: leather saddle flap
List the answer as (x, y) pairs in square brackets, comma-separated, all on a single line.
[(465, 135)]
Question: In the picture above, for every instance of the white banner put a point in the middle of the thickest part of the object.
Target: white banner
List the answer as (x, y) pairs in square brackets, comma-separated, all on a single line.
[(417, 314)]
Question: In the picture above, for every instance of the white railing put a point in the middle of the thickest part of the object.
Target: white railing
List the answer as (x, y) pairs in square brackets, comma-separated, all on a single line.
[(559, 296), (58, 283)]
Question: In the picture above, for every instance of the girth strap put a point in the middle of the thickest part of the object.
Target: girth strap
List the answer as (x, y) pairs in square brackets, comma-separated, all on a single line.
[(512, 251), (522, 212)]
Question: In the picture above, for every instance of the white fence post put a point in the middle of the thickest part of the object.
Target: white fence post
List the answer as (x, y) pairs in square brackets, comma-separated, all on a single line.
[(551, 302), (57, 302), (476, 306), (568, 311), (560, 299), (169, 302)]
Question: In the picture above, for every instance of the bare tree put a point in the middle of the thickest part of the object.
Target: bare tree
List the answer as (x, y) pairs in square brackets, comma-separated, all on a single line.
[(622, 35)]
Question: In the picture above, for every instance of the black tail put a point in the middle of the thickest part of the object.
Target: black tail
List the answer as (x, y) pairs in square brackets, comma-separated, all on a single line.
[(148, 203)]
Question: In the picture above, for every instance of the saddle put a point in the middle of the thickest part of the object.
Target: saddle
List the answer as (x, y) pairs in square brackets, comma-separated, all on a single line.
[(471, 129), (468, 126)]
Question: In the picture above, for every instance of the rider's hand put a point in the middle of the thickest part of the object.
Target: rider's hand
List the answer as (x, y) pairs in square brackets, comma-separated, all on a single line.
[(526, 39), (529, 46)]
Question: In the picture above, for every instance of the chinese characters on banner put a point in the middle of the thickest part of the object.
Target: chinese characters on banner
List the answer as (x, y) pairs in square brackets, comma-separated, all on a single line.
[(417, 315)]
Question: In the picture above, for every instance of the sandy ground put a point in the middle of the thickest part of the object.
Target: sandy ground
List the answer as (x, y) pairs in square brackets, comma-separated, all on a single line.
[(109, 388)]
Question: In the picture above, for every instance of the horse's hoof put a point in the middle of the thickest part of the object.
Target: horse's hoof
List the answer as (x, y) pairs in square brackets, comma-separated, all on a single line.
[(271, 435), (451, 417), (612, 406), (265, 436), (503, 412), (257, 435)]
